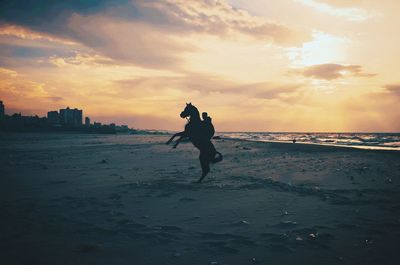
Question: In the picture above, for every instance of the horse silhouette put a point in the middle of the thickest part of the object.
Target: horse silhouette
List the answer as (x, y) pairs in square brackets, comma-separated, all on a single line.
[(199, 133)]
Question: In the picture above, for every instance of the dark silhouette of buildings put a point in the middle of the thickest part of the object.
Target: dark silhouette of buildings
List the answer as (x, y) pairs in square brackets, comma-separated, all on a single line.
[(17, 122), (53, 118), (71, 117), (2, 113), (66, 120)]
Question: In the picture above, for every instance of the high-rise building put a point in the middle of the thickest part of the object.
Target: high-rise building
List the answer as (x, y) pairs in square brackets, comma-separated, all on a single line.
[(53, 117), (1, 110), (87, 121), (66, 116), (71, 117), (78, 117)]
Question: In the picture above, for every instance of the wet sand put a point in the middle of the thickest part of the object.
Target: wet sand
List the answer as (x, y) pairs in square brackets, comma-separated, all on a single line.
[(96, 199)]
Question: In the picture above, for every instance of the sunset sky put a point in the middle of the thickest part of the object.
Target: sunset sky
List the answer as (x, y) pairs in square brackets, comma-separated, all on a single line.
[(253, 65)]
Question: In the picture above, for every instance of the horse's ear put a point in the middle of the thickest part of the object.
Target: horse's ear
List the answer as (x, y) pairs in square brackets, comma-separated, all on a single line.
[(187, 104), (190, 103)]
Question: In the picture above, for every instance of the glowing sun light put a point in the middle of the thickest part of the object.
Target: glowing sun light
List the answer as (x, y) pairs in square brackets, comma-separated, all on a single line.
[(324, 48)]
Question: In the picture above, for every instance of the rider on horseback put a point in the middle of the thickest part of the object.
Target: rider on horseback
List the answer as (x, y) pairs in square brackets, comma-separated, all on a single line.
[(199, 133), (207, 125)]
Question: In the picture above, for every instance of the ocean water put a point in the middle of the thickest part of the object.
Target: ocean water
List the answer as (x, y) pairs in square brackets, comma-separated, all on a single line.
[(387, 141)]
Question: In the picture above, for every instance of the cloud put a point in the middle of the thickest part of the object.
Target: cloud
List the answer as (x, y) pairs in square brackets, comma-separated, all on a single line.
[(267, 90), (27, 56), (338, 8), (216, 18), (159, 33), (199, 16), (194, 85), (17, 91), (333, 71), (78, 59), (393, 88), (167, 87), (21, 46), (55, 98), (48, 15), (129, 42), (148, 33), (7, 73), (7, 30)]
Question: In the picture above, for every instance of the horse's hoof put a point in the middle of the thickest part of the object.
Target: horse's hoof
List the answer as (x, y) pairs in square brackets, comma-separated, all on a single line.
[(217, 159)]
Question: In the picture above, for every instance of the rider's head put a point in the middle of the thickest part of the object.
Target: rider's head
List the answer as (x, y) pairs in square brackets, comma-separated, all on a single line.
[(204, 115)]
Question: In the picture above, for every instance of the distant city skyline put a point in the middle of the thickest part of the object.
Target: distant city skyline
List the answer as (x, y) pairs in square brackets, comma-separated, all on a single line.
[(66, 115), (253, 65), (62, 120)]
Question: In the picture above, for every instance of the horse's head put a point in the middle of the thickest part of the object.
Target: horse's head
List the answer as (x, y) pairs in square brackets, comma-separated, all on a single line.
[(189, 111)]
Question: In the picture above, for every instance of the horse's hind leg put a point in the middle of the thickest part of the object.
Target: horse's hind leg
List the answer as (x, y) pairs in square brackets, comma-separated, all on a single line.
[(205, 166), (217, 158)]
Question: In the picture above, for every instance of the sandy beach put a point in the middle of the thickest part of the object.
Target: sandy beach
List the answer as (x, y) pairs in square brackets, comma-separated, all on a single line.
[(130, 199)]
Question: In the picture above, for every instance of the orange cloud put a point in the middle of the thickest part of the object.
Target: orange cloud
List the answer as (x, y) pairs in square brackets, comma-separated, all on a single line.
[(221, 18), (166, 31), (24, 94), (79, 58), (203, 85), (333, 71), (393, 88), (7, 73), (129, 42)]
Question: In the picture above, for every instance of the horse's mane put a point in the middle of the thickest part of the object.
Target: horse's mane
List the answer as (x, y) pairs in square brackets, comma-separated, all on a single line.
[(197, 113)]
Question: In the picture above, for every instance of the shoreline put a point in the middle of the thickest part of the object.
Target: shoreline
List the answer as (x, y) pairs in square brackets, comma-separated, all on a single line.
[(368, 148), (151, 133)]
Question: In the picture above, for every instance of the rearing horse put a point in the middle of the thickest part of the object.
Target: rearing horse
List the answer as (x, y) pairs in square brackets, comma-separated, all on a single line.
[(196, 132)]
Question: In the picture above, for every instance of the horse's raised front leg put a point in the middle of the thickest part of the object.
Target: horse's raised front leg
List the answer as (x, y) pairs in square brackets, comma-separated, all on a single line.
[(170, 140), (178, 141), (175, 135)]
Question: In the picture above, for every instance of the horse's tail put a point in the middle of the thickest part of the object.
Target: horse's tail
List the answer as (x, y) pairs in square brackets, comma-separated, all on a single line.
[(217, 158)]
